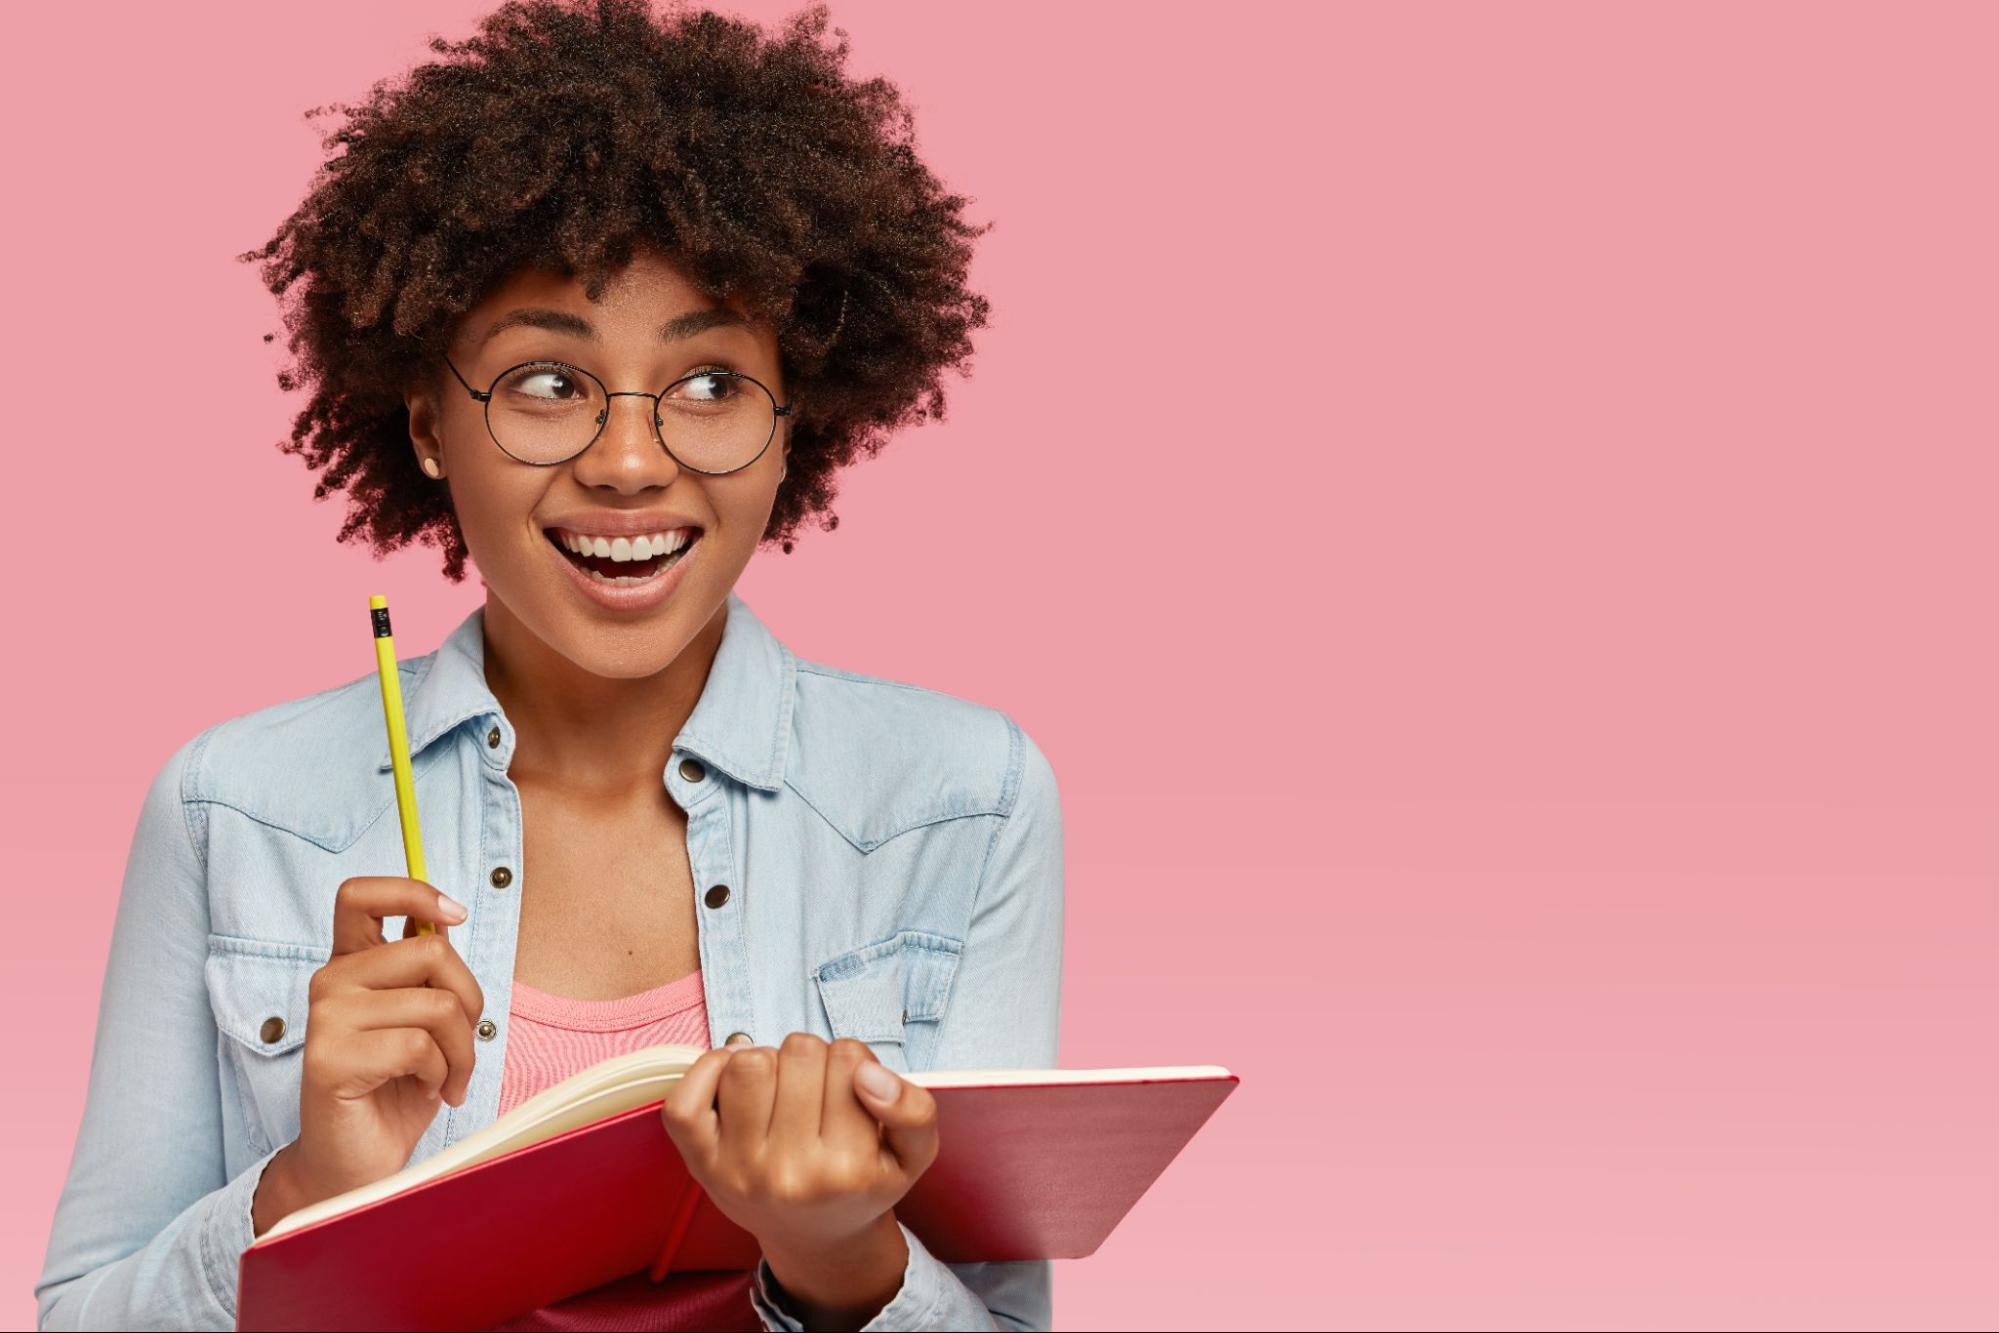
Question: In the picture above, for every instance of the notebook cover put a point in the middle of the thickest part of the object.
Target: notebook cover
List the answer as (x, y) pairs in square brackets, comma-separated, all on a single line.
[(1033, 1171)]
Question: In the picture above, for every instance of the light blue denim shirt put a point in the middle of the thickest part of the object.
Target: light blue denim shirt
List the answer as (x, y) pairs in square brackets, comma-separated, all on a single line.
[(894, 860)]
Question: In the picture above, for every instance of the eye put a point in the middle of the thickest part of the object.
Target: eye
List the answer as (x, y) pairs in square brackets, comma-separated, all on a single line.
[(710, 384), (544, 383)]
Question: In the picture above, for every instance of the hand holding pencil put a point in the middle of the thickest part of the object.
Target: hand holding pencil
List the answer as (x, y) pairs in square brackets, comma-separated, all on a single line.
[(389, 1028)]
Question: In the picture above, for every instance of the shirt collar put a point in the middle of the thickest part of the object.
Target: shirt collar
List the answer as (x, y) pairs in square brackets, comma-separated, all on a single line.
[(741, 724)]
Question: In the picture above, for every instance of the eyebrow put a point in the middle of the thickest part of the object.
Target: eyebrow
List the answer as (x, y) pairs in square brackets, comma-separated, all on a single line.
[(562, 321)]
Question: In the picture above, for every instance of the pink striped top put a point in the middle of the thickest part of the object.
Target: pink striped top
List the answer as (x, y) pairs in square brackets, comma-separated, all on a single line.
[(550, 1037)]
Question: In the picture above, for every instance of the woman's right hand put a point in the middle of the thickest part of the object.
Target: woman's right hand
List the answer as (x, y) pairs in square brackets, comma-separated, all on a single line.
[(388, 1037)]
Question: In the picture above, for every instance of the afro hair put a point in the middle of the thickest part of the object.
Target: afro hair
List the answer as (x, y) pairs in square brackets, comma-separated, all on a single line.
[(569, 133)]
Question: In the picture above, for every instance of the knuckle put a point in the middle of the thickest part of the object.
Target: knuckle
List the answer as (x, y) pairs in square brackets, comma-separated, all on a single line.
[(850, 1171), (415, 1043), (849, 1049), (750, 1062), (790, 1182), (801, 1043)]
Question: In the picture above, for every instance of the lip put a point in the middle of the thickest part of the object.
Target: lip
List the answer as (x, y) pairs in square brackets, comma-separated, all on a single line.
[(632, 598)]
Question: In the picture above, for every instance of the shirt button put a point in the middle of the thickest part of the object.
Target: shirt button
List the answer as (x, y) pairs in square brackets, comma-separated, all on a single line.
[(487, 1027), (273, 1029), (717, 895), (691, 770), (501, 877), (493, 739), (733, 1035)]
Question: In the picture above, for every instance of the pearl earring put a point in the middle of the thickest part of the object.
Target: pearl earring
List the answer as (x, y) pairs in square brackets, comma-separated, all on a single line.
[(431, 469)]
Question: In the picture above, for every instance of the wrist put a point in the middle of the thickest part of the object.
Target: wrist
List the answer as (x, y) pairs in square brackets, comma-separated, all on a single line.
[(277, 1193), (844, 1284)]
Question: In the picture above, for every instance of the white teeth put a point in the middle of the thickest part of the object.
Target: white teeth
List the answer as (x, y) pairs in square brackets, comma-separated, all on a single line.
[(646, 546)]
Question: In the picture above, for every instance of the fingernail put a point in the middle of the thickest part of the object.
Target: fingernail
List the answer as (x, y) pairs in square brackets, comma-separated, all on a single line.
[(450, 908), (878, 1081)]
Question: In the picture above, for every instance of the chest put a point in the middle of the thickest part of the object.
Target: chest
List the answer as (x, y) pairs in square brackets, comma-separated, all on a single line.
[(607, 894)]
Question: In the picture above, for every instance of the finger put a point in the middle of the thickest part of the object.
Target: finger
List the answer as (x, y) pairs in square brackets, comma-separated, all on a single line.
[(422, 960), (437, 1012), (361, 904), (743, 1100), (844, 1124), (689, 1106), (801, 1088), (364, 1061), (906, 1113)]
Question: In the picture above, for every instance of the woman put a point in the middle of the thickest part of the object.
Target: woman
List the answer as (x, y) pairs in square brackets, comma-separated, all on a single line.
[(602, 302)]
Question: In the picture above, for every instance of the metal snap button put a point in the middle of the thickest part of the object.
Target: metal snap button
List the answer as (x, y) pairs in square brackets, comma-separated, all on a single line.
[(501, 877), (487, 1027), (493, 739), (273, 1029), (716, 896), (691, 770), (733, 1035)]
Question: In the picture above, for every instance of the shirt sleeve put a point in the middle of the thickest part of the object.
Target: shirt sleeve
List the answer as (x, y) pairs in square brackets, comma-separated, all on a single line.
[(1004, 1013), (149, 1228)]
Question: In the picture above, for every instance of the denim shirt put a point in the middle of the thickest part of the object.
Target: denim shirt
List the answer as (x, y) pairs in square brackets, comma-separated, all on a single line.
[(894, 861)]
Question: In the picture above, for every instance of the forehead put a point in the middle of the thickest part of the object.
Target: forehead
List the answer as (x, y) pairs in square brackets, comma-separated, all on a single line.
[(635, 300)]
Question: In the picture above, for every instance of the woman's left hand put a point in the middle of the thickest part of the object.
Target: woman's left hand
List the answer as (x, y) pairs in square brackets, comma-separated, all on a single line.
[(809, 1148)]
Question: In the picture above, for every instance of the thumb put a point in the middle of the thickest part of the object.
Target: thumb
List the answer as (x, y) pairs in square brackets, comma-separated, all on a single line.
[(908, 1114)]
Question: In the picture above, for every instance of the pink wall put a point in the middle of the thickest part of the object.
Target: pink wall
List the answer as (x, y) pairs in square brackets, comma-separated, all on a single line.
[(1487, 508)]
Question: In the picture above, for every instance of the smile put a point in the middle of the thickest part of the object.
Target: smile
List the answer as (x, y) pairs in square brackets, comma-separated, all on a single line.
[(624, 561)]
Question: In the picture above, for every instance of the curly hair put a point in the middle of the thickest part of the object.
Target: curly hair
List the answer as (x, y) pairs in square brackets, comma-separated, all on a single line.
[(567, 133)]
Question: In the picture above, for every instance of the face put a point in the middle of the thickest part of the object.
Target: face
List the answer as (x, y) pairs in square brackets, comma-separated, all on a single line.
[(521, 521)]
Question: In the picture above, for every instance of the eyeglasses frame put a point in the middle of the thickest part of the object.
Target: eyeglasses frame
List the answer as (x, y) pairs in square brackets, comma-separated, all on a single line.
[(603, 418)]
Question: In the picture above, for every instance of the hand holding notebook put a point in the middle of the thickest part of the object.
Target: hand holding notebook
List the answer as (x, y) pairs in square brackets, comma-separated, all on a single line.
[(808, 1148)]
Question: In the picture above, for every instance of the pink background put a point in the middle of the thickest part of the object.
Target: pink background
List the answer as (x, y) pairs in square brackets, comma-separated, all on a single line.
[(1487, 508)]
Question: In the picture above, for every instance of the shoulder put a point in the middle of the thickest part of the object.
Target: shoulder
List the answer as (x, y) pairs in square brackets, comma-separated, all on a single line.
[(306, 765), (878, 757)]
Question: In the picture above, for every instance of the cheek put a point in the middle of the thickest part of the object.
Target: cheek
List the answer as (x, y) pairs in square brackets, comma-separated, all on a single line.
[(495, 512), (743, 501)]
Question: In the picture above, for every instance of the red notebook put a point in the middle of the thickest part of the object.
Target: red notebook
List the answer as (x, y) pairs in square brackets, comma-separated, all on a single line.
[(580, 1185)]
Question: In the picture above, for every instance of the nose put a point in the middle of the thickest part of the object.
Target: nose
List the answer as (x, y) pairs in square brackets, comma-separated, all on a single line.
[(626, 455)]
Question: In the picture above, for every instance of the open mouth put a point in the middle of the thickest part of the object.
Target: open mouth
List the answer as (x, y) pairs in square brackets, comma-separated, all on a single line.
[(624, 561)]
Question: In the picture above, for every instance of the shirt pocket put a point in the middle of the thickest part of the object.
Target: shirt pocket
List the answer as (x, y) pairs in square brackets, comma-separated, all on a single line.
[(891, 994), (259, 993)]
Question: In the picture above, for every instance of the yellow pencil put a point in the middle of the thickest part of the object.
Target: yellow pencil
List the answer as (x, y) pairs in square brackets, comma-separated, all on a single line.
[(399, 746)]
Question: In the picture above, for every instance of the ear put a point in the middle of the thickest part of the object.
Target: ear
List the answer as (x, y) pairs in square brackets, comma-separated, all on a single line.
[(424, 434)]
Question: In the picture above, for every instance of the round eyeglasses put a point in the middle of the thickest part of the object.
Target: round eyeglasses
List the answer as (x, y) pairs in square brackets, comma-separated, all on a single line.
[(547, 412)]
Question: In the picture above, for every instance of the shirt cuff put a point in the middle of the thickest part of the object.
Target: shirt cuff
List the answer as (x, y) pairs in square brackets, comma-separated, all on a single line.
[(227, 1231), (925, 1283)]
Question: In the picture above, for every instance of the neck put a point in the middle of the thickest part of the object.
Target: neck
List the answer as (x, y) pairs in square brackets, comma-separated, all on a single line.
[(584, 731)]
